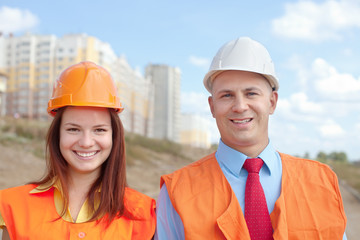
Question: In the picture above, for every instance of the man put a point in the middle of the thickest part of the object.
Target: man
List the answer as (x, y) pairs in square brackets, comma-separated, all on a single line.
[(220, 196)]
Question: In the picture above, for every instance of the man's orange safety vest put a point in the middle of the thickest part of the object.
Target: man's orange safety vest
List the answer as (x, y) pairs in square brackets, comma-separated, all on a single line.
[(34, 216), (309, 206)]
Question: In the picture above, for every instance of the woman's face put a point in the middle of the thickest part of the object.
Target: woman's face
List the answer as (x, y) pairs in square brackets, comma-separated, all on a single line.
[(85, 139)]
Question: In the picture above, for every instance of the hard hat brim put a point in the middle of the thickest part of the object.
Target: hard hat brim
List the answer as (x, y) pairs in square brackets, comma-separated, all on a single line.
[(211, 75)]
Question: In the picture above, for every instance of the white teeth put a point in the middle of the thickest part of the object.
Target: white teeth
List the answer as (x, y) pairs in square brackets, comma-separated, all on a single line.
[(242, 121), (86, 154)]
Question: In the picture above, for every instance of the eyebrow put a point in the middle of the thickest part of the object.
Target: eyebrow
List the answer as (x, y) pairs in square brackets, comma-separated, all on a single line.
[(252, 89), (96, 126), (243, 90)]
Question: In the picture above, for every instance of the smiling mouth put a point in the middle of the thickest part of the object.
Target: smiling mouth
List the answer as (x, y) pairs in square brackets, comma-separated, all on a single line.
[(242, 121), (87, 154)]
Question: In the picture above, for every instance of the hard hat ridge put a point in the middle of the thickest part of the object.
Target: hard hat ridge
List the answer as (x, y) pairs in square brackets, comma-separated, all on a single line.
[(84, 84), (242, 54)]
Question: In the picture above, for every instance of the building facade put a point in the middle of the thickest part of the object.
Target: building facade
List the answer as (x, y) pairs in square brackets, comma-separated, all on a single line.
[(26, 61), (195, 131), (30, 64), (3, 80), (33, 62), (166, 80), (137, 97)]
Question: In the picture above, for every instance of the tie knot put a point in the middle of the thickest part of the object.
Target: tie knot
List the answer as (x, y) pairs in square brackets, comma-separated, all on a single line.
[(253, 165)]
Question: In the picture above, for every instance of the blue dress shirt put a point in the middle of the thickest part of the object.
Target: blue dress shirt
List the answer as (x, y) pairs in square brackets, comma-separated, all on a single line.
[(169, 224)]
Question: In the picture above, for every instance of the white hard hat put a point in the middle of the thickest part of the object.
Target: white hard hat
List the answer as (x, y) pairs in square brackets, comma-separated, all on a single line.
[(242, 54)]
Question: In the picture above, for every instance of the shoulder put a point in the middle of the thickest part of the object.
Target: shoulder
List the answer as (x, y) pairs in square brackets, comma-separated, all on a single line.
[(18, 196), (309, 169), (302, 162), (139, 205), (17, 191), (193, 180)]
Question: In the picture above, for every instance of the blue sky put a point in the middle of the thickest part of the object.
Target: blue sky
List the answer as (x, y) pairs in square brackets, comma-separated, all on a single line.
[(314, 45)]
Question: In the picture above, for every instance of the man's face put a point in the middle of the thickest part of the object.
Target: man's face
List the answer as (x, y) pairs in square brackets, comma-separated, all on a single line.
[(241, 103)]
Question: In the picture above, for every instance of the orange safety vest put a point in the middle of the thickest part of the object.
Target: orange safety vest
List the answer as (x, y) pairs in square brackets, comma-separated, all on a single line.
[(309, 206), (34, 216)]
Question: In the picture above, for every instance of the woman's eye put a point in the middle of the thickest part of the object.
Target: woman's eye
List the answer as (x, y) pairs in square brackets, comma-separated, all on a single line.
[(72, 129), (100, 130)]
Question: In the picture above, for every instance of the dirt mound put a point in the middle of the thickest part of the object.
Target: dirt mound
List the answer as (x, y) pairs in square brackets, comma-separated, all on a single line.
[(19, 166)]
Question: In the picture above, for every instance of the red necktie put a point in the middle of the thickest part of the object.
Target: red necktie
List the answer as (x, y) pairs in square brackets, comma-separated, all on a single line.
[(256, 212)]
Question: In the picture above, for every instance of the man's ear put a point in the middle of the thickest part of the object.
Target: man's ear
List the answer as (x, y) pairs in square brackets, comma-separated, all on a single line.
[(211, 104), (273, 101)]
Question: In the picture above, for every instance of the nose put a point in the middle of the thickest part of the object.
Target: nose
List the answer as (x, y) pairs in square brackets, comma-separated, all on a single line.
[(240, 104), (86, 140)]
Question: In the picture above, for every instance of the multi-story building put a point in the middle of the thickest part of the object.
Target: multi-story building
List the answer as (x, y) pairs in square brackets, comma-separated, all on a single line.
[(137, 96), (30, 64), (3, 80), (195, 131), (3, 76), (166, 81), (74, 48), (27, 65), (33, 62)]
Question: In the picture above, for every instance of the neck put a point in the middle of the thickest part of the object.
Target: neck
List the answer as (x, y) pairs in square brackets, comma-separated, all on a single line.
[(79, 186), (251, 150), (81, 182)]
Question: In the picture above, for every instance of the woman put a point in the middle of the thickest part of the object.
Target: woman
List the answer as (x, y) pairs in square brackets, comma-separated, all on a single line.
[(84, 193)]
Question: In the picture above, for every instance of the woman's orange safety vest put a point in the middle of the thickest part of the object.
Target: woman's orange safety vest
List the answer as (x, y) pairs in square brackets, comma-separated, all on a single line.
[(34, 216), (309, 206)]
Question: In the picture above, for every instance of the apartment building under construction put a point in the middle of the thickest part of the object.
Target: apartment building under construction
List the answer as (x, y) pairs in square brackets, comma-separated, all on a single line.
[(30, 64), (33, 62)]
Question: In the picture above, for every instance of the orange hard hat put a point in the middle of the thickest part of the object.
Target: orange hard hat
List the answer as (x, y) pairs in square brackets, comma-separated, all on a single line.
[(84, 84)]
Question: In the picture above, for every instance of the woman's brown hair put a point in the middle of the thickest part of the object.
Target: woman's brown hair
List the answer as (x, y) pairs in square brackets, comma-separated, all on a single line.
[(112, 179)]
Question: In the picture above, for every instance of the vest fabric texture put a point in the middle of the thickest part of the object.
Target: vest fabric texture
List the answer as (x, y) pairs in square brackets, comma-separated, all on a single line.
[(309, 207), (34, 216)]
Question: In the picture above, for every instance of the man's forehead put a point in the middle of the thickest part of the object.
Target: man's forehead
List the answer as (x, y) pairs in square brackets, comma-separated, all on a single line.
[(239, 79)]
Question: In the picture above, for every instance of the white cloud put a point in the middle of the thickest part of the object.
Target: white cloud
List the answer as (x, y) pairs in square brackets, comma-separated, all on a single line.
[(14, 20), (303, 105), (357, 127), (332, 84), (331, 130), (195, 102), (295, 63), (347, 52), (299, 108), (309, 20), (322, 82), (199, 61)]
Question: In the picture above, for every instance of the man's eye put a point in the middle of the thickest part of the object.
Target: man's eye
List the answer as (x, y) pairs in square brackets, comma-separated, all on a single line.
[(226, 95)]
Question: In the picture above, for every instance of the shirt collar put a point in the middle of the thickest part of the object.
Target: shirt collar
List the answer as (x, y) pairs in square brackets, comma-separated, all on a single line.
[(83, 216), (233, 160), (46, 187)]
